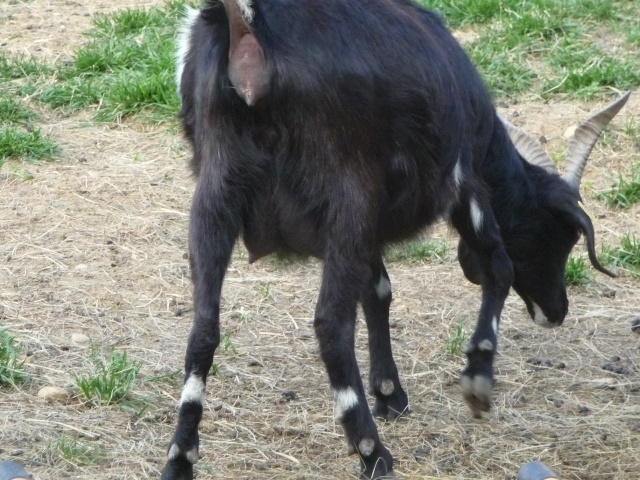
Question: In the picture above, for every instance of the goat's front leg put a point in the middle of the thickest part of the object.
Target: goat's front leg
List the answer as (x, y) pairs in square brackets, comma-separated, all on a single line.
[(213, 230), (474, 220), (384, 383), (343, 281)]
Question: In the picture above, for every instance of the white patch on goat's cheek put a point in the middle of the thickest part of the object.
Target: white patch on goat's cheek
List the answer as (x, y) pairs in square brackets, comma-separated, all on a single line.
[(184, 42), (476, 215), (383, 288), (457, 174), (345, 399), (192, 391), (539, 317), (494, 325)]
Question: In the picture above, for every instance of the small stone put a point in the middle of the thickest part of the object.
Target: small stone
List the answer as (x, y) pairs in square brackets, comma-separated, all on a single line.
[(615, 358), (548, 363), (80, 339), (542, 139), (609, 293), (635, 325), (583, 410), (178, 312), (570, 131), (561, 365), (53, 393), (16, 453), (289, 395), (534, 360), (421, 453)]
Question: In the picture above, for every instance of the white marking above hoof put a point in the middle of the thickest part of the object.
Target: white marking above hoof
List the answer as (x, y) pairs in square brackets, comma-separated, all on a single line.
[(192, 456), (173, 452), (485, 345), (383, 288), (387, 387), (366, 446), (344, 399)]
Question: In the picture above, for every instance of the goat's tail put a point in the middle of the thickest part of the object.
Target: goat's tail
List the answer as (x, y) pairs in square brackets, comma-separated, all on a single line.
[(249, 72)]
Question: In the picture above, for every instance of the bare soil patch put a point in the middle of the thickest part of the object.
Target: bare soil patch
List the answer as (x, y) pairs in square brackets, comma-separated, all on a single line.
[(96, 243)]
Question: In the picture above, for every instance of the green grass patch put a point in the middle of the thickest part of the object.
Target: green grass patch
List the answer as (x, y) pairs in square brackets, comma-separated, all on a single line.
[(126, 68), (626, 255), (418, 250), (11, 364), (12, 111), (110, 379), (19, 67), (576, 271), (626, 190), (75, 451), (453, 346), (226, 345), (548, 47), (29, 145)]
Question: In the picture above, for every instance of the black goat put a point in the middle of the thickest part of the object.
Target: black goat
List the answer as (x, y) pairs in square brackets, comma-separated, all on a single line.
[(332, 128)]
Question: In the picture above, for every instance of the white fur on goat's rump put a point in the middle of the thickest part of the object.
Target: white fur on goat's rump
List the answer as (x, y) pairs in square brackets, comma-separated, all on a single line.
[(245, 8), (183, 41)]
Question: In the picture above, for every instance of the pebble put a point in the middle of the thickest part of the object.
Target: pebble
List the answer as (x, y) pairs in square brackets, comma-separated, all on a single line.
[(289, 395), (80, 339), (53, 393), (635, 325), (570, 131)]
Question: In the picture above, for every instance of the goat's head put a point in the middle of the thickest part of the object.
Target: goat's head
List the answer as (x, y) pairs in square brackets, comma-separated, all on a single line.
[(540, 244)]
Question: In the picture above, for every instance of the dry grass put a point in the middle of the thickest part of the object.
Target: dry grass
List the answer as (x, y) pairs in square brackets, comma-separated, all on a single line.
[(96, 243)]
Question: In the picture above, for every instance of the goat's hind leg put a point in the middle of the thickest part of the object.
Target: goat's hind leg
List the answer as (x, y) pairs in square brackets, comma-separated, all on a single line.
[(384, 383), (212, 234), (474, 220), (343, 282)]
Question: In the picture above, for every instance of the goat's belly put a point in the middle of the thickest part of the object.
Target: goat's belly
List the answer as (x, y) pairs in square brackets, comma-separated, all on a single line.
[(267, 232)]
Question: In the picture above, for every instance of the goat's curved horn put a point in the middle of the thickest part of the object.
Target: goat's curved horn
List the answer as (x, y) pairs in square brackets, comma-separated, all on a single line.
[(585, 138), (530, 150)]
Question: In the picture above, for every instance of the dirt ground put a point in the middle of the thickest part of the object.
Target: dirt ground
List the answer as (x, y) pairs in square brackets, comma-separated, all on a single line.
[(96, 243)]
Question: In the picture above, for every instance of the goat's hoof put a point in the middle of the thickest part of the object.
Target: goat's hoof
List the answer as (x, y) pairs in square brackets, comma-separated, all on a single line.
[(477, 392), (390, 411), (177, 469), (391, 406), (180, 462), (377, 460)]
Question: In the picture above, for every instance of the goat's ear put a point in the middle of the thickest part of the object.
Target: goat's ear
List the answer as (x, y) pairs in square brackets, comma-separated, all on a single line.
[(574, 212), (249, 72)]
